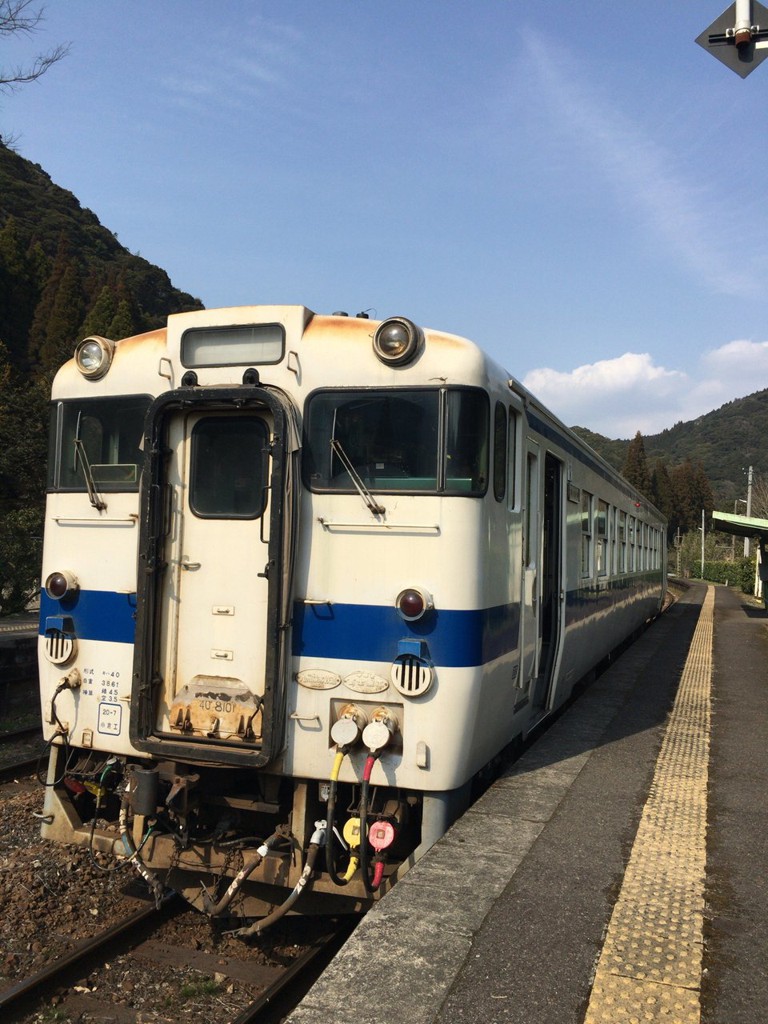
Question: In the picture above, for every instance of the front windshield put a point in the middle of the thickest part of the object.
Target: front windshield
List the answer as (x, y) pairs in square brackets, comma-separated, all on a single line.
[(108, 433), (417, 440)]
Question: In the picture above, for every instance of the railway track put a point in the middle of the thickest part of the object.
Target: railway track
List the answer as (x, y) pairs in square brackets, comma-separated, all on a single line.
[(68, 968), (272, 990), (20, 752)]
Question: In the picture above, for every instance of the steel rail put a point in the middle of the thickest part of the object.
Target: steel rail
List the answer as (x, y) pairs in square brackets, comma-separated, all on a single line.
[(274, 1003), (18, 769), (38, 983)]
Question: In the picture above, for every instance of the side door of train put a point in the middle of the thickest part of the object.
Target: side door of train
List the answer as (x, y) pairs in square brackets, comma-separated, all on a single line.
[(542, 577), (529, 602)]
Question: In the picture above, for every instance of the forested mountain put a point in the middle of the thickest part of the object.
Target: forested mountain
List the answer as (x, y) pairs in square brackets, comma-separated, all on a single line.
[(724, 443), (64, 276)]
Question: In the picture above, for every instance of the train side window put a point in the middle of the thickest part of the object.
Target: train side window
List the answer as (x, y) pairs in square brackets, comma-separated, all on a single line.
[(512, 459), (601, 546), (531, 511), (622, 542), (466, 441), (586, 534), (631, 541), (641, 543), (499, 452), (102, 434), (228, 471)]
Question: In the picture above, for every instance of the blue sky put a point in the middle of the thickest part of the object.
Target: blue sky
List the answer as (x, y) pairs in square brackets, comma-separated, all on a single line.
[(578, 187)]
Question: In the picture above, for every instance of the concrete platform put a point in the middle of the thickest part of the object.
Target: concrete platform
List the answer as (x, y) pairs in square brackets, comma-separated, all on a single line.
[(616, 873)]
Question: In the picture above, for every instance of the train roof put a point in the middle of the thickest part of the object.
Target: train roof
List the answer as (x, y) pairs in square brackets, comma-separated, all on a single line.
[(447, 356)]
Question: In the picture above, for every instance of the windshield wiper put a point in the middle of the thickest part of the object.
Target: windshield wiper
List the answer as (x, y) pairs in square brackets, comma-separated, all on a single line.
[(82, 458), (375, 508)]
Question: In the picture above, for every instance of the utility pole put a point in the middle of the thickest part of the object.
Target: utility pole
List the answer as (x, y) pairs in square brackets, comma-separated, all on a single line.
[(678, 542), (749, 509), (702, 543)]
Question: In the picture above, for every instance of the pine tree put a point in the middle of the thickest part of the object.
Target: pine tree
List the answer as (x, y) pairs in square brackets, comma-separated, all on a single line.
[(23, 432), (65, 319), (100, 315), (122, 324), (662, 495), (19, 293), (635, 469), (59, 314), (692, 493)]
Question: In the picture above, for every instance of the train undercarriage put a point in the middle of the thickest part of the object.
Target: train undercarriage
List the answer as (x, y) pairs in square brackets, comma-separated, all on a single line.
[(236, 843)]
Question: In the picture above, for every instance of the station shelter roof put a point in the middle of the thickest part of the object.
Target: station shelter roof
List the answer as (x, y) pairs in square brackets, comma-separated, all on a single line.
[(741, 526)]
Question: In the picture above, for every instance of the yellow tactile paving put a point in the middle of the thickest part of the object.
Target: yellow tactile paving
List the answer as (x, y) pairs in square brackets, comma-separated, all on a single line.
[(650, 965)]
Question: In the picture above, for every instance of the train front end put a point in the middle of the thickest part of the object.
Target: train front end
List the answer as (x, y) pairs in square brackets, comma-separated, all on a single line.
[(249, 516)]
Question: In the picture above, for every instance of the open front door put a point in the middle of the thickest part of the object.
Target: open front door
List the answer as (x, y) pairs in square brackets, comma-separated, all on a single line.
[(218, 527)]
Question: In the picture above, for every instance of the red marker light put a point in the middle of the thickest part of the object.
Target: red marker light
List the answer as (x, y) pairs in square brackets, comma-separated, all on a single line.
[(59, 584), (413, 603)]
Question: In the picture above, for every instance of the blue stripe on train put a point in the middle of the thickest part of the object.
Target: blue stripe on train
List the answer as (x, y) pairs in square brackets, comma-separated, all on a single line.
[(350, 632), (95, 615), (456, 639)]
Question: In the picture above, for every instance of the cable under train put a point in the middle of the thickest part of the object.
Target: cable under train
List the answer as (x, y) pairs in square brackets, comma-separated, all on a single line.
[(305, 577)]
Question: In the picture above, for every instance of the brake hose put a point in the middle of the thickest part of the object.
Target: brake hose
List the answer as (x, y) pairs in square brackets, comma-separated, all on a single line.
[(364, 788), (317, 840), (133, 854), (330, 845), (235, 885)]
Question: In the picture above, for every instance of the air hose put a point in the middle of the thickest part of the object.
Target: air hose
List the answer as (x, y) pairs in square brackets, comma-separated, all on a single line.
[(364, 795), (317, 840), (215, 908), (330, 845), (133, 854)]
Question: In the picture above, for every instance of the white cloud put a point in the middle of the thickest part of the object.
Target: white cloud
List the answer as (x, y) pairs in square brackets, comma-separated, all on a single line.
[(617, 397), (740, 362)]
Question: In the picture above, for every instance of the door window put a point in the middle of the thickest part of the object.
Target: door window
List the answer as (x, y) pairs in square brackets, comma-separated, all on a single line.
[(228, 470)]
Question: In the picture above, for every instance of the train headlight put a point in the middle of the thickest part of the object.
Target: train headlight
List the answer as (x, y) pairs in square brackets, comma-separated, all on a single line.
[(397, 340), (62, 584), (94, 356), (413, 603)]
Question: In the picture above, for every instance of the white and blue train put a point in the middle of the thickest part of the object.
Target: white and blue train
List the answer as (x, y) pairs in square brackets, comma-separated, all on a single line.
[(305, 577)]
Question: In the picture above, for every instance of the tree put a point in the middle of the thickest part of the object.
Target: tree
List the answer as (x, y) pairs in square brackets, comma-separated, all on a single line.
[(663, 496), (59, 313), (19, 293), (759, 497), (692, 493), (635, 468), (22, 485), (100, 315), (24, 17)]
